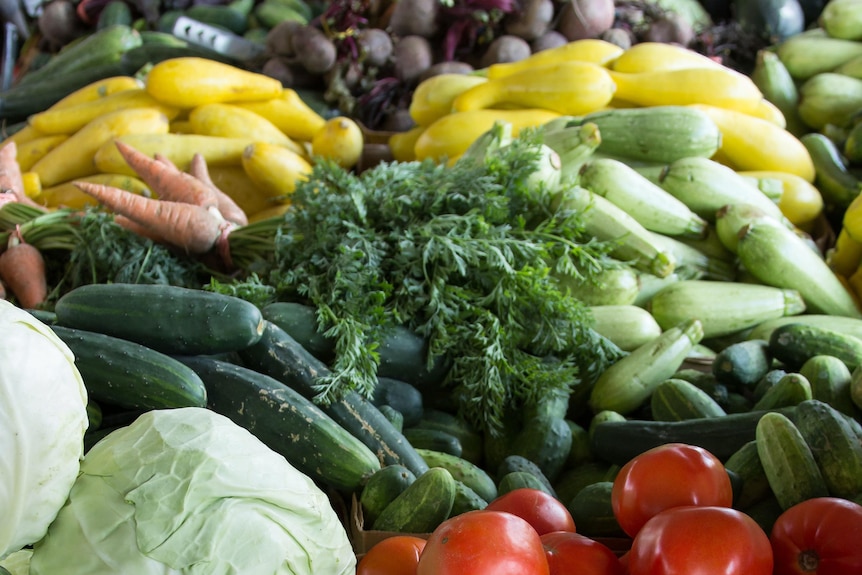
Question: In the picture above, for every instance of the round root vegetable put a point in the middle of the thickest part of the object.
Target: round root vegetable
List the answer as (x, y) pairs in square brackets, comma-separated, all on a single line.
[(580, 19), (533, 20), (278, 41), (506, 48), (313, 49), (412, 56), (548, 40), (414, 17), (670, 29), (22, 271), (59, 23), (375, 46)]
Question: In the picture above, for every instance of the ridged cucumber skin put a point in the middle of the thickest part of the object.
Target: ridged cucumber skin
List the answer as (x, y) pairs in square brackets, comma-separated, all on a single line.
[(846, 325), (778, 257), (790, 467), (629, 382), (393, 415), (573, 480), (471, 440), (381, 489), (170, 319), (466, 499), (742, 364), (400, 395), (619, 441), (280, 356), (794, 344), (433, 439), (835, 446), (462, 470), (678, 400), (512, 463), (723, 307), (422, 506), (545, 440), (593, 512), (745, 462), (518, 480), (791, 389), (830, 380), (659, 134), (287, 422), (130, 375)]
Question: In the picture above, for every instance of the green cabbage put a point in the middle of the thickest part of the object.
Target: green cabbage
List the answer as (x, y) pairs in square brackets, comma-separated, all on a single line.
[(189, 491), (43, 417)]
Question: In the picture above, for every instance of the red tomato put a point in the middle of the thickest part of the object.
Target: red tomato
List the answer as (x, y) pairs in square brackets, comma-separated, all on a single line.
[(697, 540), (666, 476), (570, 552), (396, 555), (540, 509), (484, 542), (818, 536)]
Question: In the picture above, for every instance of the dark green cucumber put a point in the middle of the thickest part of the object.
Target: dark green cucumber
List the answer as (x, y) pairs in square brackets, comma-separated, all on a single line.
[(287, 422), (619, 441), (677, 400), (835, 446), (422, 506), (792, 389), (787, 460), (593, 512), (280, 356), (793, 344), (394, 416), (221, 15), (520, 463), (518, 480), (382, 488), (462, 470), (115, 12), (743, 363), (830, 380), (766, 382), (171, 319), (400, 395), (435, 439), (545, 440), (745, 462), (130, 375), (470, 439), (706, 381), (580, 449), (571, 481), (300, 321), (466, 499)]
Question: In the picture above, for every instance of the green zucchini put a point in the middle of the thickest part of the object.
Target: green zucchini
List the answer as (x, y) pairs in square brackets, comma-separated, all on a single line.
[(171, 319), (381, 489), (287, 422), (692, 263), (741, 365), (831, 99), (813, 52), (830, 380), (115, 12), (422, 506), (793, 344), (462, 470), (131, 375), (280, 356), (593, 512), (771, 76), (660, 134), (745, 463), (628, 326), (722, 307), (678, 399), (835, 446), (628, 383), (787, 460), (619, 441), (838, 185), (611, 286)]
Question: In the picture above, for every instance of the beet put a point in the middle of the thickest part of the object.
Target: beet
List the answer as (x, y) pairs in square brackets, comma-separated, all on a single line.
[(412, 56), (580, 19), (531, 21), (451, 67), (279, 40), (622, 37), (505, 48), (670, 28), (375, 46), (414, 18), (313, 49), (550, 39)]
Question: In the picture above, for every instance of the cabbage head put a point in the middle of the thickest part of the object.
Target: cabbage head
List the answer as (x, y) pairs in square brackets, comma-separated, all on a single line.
[(43, 417), (187, 491)]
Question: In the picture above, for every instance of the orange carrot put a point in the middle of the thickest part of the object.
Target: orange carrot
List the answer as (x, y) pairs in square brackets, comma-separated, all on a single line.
[(22, 270), (166, 180), (11, 181), (137, 228), (226, 205), (189, 227)]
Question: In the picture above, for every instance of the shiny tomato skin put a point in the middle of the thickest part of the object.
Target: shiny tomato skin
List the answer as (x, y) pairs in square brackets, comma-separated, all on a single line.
[(540, 509), (819, 536), (396, 555), (701, 540), (570, 552), (482, 542), (670, 475)]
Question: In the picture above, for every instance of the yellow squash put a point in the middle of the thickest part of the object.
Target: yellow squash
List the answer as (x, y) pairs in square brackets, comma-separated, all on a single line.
[(289, 113), (31, 151), (274, 169), (432, 99), (752, 143), (67, 195), (97, 90), (340, 140), (654, 56), (229, 121), (234, 181), (592, 50), (801, 202), (403, 144), (570, 88)]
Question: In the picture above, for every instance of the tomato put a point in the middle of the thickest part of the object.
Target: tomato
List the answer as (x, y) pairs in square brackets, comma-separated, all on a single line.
[(396, 555), (666, 476), (540, 509), (696, 540), (818, 536), (570, 552), (483, 542)]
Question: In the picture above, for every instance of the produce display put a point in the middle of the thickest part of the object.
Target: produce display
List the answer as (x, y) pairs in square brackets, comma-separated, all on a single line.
[(299, 302)]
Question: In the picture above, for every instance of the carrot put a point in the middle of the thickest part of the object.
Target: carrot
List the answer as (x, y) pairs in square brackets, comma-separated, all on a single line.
[(137, 228), (22, 270), (11, 181), (192, 228), (226, 205), (166, 180)]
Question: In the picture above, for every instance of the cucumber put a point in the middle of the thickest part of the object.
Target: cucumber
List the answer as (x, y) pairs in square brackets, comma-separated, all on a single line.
[(580, 450), (678, 400), (130, 375), (470, 439), (745, 462), (794, 344), (707, 382), (462, 470), (382, 488), (400, 395), (280, 356), (514, 463), (300, 321), (741, 365), (546, 441), (838, 185), (835, 446), (466, 499), (435, 439), (518, 480), (572, 481), (394, 416), (769, 379), (422, 506), (787, 460), (286, 422), (846, 325), (619, 441), (115, 12), (220, 15), (792, 389), (171, 319), (593, 511), (830, 381)]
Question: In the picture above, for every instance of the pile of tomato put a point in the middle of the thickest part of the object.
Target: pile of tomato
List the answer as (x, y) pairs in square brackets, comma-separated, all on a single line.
[(674, 501)]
